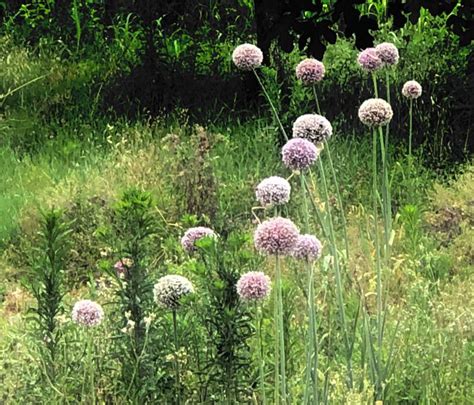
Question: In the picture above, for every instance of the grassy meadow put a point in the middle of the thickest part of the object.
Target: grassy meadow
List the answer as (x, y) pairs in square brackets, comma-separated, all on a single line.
[(384, 315)]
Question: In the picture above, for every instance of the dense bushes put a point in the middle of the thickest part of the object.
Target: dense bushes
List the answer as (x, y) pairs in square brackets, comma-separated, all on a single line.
[(190, 69)]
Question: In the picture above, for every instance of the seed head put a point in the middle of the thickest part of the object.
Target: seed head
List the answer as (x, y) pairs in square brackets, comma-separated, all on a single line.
[(254, 286), (375, 112), (87, 313), (313, 127), (169, 290), (276, 236), (273, 191), (310, 71), (247, 57)]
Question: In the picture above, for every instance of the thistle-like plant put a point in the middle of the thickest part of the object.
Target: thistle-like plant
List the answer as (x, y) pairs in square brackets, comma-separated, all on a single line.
[(133, 226), (227, 320), (45, 281)]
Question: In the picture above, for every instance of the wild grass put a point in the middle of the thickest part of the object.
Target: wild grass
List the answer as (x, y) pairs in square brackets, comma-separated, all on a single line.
[(83, 163)]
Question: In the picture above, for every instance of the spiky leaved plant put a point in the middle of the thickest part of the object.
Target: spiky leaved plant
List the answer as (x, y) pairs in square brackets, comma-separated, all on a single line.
[(133, 226), (227, 320), (45, 282)]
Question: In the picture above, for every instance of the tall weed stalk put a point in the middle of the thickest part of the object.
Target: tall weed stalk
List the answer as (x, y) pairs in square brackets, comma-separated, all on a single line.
[(48, 264), (133, 228)]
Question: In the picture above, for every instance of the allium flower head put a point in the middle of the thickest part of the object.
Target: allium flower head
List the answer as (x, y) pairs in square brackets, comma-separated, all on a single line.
[(253, 286), (411, 89), (169, 290), (310, 71), (375, 112), (307, 247), (247, 57), (299, 154), (313, 127), (87, 313), (369, 60), (276, 236), (194, 234), (273, 191), (387, 53)]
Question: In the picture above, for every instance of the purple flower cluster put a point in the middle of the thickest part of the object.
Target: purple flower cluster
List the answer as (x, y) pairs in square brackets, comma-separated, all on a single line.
[(310, 71), (387, 53), (313, 127), (247, 57), (194, 234), (375, 112), (123, 265), (299, 154), (169, 290), (253, 286), (369, 60), (307, 247), (87, 313), (276, 236), (411, 89), (273, 191)]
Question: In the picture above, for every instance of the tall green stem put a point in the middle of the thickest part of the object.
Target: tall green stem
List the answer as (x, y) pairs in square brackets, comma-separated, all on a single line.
[(312, 344), (281, 332), (89, 369), (374, 81), (334, 179), (339, 285), (377, 255), (339, 198), (176, 360), (138, 360), (387, 79), (318, 109), (261, 356), (313, 347), (410, 134), (386, 185), (275, 113), (276, 317), (386, 197)]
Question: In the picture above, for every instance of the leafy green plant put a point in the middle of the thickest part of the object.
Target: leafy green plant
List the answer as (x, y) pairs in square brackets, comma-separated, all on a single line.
[(226, 320), (130, 235), (46, 284)]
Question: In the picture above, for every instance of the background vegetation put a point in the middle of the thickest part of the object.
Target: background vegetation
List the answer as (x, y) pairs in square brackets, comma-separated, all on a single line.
[(106, 105)]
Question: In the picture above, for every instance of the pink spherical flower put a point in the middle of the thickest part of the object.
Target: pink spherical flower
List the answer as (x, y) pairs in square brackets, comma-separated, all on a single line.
[(411, 89), (273, 191), (169, 290), (307, 247), (313, 127), (375, 112), (247, 57), (123, 265), (194, 234), (299, 154), (276, 236), (87, 313), (253, 286), (387, 53), (310, 71), (369, 60)]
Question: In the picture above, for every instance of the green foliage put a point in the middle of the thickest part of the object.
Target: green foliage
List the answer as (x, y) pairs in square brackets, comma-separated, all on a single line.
[(133, 225), (226, 319), (61, 146), (46, 284)]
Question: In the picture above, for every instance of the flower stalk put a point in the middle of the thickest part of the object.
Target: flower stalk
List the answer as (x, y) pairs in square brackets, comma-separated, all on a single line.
[(272, 106), (176, 359), (311, 385)]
